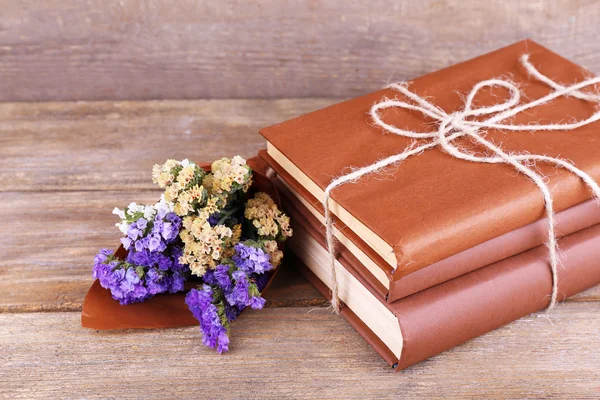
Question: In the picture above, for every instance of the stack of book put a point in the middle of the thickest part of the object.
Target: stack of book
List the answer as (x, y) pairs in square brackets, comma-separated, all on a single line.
[(437, 250)]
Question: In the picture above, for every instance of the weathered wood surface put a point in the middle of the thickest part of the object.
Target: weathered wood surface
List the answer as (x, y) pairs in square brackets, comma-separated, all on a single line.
[(295, 353), (64, 166), (107, 145), (185, 49)]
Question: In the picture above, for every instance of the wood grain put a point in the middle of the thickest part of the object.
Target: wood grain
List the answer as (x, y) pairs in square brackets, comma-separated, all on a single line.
[(294, 353), (113, 145), (147, 49)]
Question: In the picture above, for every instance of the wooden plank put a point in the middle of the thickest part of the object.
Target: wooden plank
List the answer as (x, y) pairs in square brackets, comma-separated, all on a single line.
[(112, 146), (144, 49), (297, 353)]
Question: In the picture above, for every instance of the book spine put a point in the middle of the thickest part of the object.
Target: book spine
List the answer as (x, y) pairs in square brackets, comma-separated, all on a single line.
[(369, 336), (351, 263)]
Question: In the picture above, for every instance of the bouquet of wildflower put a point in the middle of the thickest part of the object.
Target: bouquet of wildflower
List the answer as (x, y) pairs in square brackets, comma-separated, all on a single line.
[(208, 229)]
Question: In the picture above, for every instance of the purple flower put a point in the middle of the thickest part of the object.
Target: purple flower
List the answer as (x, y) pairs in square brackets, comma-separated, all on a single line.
[(176, 252), (213, 219), (143, 274), (170, 229), (127, 286), (102, 255), (231, 312), (223, 344), (133, 232), (157, 281), (251, 259), (173, 218), (209, 277), (126, 242), (257, 302), (154, 244), (239, 295), (102, 270), (122, 279), (161, 213), (227, 290), (219, 277), (161, 260), (154, 235), (221, 274), (176, 283), (141, 224), (214, 333)]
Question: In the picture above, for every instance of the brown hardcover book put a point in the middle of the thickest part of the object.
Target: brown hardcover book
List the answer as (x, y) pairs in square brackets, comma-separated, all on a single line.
[(434, 320), (433, 207), (379, 274)]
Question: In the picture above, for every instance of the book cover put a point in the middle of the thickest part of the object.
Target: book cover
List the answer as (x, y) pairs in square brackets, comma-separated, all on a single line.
[(433, 206), (380, 275)]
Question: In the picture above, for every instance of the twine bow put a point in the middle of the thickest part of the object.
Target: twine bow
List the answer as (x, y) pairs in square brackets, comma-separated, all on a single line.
[(461, 124)]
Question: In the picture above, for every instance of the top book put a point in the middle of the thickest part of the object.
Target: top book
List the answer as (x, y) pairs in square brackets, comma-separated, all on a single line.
[(432, 206)]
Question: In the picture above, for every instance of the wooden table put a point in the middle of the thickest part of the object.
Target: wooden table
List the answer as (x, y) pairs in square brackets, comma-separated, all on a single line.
[(64, 166)]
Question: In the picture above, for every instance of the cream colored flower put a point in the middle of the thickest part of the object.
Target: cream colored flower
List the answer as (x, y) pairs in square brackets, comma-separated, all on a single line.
[(156, 171), (186, 175), (170, 164), (226, 172), (196, 193), (274, 252), (266, 216)]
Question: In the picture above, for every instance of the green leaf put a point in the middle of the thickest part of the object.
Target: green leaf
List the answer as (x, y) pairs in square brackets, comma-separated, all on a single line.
[(140, 271), (253, 290)]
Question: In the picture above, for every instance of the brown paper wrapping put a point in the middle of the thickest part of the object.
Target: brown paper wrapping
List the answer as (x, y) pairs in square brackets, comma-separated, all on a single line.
[(166, 310), (433, 205), (568, 221)]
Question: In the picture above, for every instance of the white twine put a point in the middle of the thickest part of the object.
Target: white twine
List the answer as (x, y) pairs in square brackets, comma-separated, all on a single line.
[(455, 125)]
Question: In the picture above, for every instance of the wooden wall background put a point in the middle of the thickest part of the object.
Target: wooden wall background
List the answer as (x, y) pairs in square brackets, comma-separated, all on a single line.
[(150, 49)]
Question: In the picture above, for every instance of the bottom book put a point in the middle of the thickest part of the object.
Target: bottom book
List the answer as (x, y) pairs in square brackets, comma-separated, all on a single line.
[(429, 322)]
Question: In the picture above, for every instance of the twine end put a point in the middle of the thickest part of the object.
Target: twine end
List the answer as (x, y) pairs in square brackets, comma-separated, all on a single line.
[(335, 306)]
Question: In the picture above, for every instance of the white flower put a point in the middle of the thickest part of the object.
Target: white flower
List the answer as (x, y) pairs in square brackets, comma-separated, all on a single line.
[(237, 160), (163, 204), (133, 208), (119, 213), (123, 227), (185, 162), (149, 212)]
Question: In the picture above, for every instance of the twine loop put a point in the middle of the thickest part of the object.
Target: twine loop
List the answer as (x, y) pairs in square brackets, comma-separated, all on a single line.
[(464, 123)]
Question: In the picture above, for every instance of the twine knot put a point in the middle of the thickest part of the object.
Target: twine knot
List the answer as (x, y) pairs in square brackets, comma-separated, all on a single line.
[(467, 123)]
